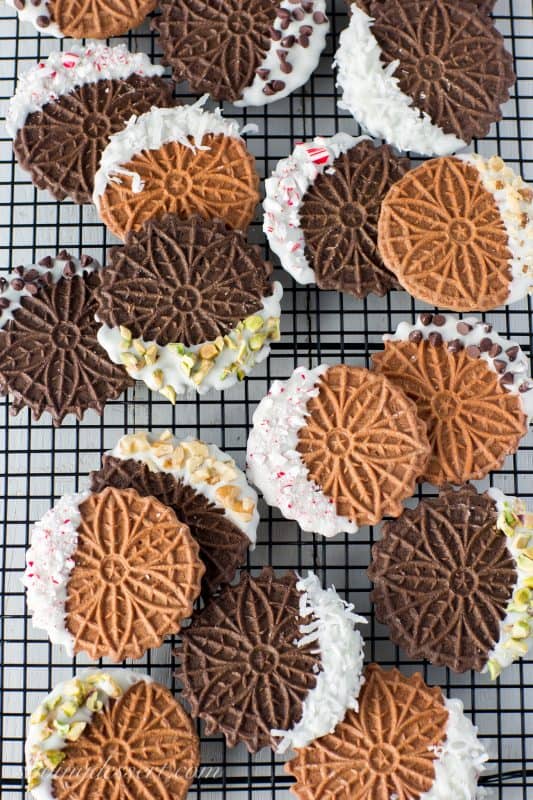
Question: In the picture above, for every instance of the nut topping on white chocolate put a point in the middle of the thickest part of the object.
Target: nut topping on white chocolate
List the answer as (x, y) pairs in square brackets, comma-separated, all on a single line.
[(502, 356)]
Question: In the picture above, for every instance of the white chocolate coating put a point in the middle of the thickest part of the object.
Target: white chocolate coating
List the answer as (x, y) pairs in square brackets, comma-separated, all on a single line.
[(514, 199), (371, 93), (49, 562), (32, 11), (61, 73), (303, 60), (152, 130), (172, 364), (275, 466), (284, 192), (342, 654), (517, 368), (460, 761), (157, 453)]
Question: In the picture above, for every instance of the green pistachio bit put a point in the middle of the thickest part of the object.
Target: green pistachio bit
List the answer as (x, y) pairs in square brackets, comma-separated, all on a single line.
[(256, 342), (272, 328), (116, 691), (189, 360), (504, 525), (241, 374), (228, 341), (186, 369), (73, 688), (494, 669), (61, 727), (241, 351), (139, 347), (53, 702), (69, 708), (200, 374), (35, 779), (52, 758), (253, 323), (151, 354), (219, 343), (169, 393), (521, 629), (97, 677), (516, 608), (125, 344), (93, 703), (125, 333), (516, 646), (130, 360), (522, 542), (522, 596), (157, 378), (75, 731), (529, 582), (239, 326), (525, 563), (45, 733), (177, 349), (39, 715)]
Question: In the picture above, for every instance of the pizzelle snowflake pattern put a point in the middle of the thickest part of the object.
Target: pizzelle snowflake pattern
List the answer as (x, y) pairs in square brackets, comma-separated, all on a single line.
[(472, 421), (452, 61), (136, 575), (183, 281), (223, 546), (216, 181), (142, 744), (363, 444), (217, 46), (61, 144), (50, 359), (386, 750), (97, 19), (443, 577), (339, 217), (242, 668), (442, 235)]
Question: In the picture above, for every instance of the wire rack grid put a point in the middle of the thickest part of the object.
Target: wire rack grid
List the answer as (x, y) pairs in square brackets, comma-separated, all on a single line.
[(39, 463)]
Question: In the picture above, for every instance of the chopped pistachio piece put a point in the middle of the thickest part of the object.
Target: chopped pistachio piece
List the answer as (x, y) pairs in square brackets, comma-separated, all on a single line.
[(219, 343), (521, 629), (61, 727), (529, 582), (53, 702), (208, 351), (157, 378), (115, 690), (69, 708), (253, 323), (52, 758), (152, 354), (130, 360), (228, 341), (139, 347), (241, 374), (35, 779), (199, 375), (125, 333), (39, 715), (522, 597), (494, 669), (93, 703), (256, 342), (75, 731), (169, 392)]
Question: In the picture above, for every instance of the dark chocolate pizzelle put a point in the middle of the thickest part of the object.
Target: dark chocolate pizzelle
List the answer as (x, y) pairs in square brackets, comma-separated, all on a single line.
[(50, 359), (186, 281), (223, 546), (216, 46), (61, 145), (452, 60), (339, 218), (443, 577), (242, 670)]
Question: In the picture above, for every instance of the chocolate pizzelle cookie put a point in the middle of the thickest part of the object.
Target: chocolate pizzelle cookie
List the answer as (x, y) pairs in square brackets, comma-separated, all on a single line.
[(408, 741), (202, 485), (188, 304), (111, 573), (471, 387), (250, 52), (424, 75), (322, 207), (99, 20), (457, 233), (50, 359), (183, 161), (110, 735), (447, 580), (65, 109), (334, 448), (272, 662)]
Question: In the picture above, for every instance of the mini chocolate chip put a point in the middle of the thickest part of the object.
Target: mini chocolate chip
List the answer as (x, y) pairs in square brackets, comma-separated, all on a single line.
[(463, 328), (439, 320), (307, 30), (499, 365), (32, 288), (426, 319), (525, 387), (508, 378), (455, 345), (488, 328), (285, 67), (495, 350), (63, 254), (19, 270), (307, 6), (512, 352), (473, 351), (3, 283), (435, 339), (268, 90), (275, 34), (284, 24), (282, 13), (288, 41), (319, 17), (277, 86), (303, 41), (262, 73), (4, 302), (68, 269), (415, 336), (43, 22), (281, 54), (19, 4), (298, 14), (31, 275), (47, 262), (17, 284), (86, 260), (46, 279), (485, 344)]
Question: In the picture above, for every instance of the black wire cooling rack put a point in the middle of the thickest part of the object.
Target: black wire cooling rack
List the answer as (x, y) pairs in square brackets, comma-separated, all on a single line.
[(40, 463)]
